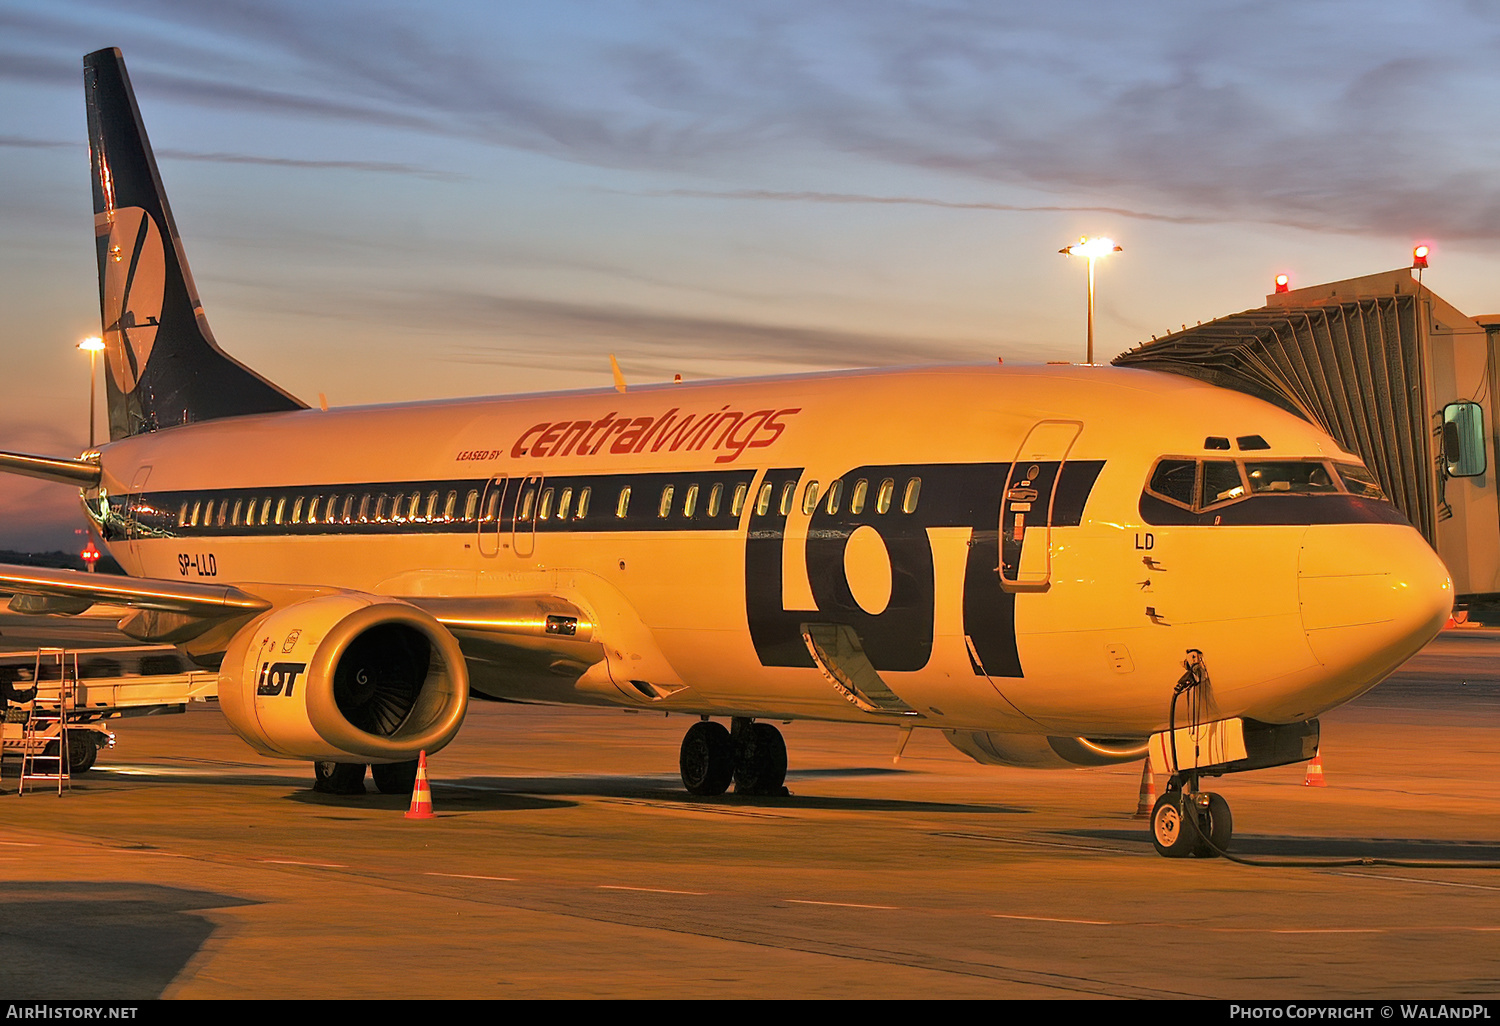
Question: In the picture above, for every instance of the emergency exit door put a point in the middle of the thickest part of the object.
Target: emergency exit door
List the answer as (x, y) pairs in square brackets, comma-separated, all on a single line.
[(1026, 554)]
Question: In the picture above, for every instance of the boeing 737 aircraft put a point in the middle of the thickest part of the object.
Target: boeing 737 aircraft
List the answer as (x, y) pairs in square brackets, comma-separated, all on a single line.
[(1055, 566)]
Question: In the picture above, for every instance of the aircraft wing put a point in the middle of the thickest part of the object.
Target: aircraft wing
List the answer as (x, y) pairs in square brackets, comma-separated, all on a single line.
[(530, 628)]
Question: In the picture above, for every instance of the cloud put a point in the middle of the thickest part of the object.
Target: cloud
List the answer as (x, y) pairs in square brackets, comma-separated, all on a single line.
[(374, 166)]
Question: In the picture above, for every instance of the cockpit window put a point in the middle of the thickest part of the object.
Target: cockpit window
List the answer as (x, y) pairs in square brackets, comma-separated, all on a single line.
[(1221, 482), (1176, 480), (1298, 477), (1360, 481)]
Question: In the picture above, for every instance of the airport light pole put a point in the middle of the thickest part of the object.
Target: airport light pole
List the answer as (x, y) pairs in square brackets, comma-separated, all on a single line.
[(92, 345), (1091, 249)]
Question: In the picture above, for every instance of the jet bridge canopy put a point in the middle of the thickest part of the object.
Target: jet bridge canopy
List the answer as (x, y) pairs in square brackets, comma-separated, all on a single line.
[(1373, 361)]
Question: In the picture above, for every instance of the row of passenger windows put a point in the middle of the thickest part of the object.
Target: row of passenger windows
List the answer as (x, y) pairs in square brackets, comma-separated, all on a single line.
[(553, 503), (343, 508)]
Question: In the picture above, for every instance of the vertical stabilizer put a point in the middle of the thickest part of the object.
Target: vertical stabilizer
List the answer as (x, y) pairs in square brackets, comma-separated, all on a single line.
[(164, 367)]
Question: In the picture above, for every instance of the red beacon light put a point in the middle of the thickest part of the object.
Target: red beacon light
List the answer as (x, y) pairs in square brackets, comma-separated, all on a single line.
[(1283, 283), (90, 555), (1419, 257)]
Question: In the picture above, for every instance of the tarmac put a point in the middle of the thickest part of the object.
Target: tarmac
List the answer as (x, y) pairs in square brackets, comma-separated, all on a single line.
[(565, 860)]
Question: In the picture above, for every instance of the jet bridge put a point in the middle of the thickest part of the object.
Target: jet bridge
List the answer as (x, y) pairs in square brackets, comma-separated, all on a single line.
[(1396, 375)]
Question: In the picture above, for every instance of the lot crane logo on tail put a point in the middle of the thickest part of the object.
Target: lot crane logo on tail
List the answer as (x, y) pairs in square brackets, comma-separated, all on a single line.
[(134, 281)]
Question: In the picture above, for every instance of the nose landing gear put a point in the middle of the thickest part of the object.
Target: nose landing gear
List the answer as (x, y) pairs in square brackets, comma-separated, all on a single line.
[(1194, 824), (752, 756)]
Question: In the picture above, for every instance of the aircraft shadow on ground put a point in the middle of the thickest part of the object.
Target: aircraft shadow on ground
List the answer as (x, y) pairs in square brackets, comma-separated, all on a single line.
[(105, 940), (667, 790), (1272, 846)]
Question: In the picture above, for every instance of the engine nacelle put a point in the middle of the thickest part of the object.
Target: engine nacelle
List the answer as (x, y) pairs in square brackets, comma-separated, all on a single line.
[(1034, 751), (344, 678)]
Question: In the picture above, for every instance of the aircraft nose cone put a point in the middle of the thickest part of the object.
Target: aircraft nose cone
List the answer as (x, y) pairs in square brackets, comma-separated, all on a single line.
[(1371, 596)]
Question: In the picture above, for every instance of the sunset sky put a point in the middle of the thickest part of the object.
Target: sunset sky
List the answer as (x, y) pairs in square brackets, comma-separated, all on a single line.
[(388, 201)]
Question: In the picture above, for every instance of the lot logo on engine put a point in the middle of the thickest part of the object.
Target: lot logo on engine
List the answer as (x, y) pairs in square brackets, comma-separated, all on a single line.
[(274, 678)]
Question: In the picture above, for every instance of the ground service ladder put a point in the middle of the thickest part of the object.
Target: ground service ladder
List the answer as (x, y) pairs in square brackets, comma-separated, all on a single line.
[(44, 759)]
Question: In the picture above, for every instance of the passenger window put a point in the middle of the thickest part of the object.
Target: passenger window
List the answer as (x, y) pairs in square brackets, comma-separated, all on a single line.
[(763, 500), (857, 497), (234, 517), (250, 513), (471, 505), (364, 508), (883, 499), (1221, 482), (715, 496), (835, 492), (182, 515), (297, 509), (623, 506), (564, 503), (312, 509), (413, 506), (208, 512), (810, 497), (583, 504), (527, 498), (348, 514), (666, 502), (449, 505), (738, 505), (223, 511), (1176, 480), (491, 505), (265, 511), (788, 492), (545, 511), (280, 508), (690, 501), (913, 493)]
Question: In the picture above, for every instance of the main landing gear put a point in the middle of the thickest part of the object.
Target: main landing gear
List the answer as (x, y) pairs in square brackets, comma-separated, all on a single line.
[(349, 777), (751, 755)]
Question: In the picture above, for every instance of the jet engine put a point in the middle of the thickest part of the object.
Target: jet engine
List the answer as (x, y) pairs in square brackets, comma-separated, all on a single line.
[(1034, 751), (346, 678)]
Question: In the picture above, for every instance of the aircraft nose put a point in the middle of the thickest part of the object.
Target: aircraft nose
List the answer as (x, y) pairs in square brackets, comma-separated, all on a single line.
[(1371, 596)]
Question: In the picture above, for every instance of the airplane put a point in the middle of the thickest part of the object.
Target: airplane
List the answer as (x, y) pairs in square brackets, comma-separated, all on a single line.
[(1055, 566)]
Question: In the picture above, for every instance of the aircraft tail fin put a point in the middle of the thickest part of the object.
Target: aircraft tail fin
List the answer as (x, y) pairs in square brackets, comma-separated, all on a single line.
[(164, 367)]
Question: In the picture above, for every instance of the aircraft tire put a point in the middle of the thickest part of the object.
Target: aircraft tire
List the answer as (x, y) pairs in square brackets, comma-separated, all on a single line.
[(394, 777), (339, 777), (1174, 832), (707, 759), (1220, 828), (760, 761)]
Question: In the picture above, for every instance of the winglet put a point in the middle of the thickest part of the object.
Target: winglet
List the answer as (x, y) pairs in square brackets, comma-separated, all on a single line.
[(614, 366)]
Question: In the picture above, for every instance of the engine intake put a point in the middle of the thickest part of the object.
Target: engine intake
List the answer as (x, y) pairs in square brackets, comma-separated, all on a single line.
[(345, 677)]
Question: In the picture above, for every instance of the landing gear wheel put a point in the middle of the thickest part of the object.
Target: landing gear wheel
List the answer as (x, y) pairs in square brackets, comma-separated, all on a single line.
[(707, 759), (394, 777), (1174, 830), (339, 777), (760, 760), (1215, 828)]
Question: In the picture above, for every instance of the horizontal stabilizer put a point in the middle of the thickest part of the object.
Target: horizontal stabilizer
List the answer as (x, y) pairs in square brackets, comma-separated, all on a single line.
[(74, 472)]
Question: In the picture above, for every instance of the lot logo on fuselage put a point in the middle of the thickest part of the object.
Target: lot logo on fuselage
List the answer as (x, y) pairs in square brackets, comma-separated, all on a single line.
[(134, 281)]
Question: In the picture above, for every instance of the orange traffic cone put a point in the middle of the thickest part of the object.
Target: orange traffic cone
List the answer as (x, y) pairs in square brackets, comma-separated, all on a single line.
[(1314, 776), (421, 794), (1148, 792)]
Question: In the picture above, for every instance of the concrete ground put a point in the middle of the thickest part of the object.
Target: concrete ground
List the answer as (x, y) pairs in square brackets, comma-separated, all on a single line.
[(566, 861)]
